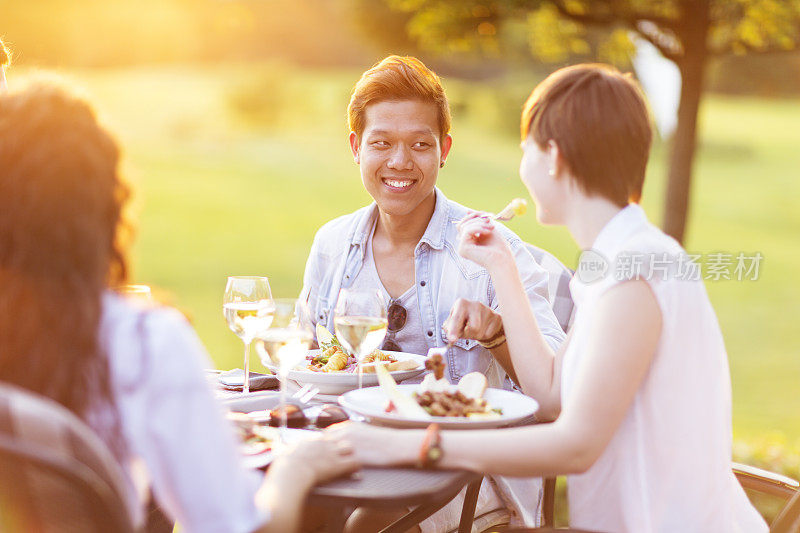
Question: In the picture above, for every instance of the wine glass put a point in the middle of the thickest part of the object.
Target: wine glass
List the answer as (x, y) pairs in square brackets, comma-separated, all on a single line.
[(285, 344), (360, 323), (247, 306)]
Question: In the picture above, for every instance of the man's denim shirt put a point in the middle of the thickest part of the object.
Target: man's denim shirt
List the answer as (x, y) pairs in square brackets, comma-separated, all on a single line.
[(442, 277)]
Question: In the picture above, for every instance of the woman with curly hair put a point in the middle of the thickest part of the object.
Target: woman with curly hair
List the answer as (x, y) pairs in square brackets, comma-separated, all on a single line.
[(133, 373)]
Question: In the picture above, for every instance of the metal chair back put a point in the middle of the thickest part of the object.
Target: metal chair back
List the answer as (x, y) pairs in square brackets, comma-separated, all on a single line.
[(558, 285), (55, 473)]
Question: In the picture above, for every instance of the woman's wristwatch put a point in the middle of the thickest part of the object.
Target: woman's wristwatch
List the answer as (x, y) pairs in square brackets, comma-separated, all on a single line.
[(430, 452)]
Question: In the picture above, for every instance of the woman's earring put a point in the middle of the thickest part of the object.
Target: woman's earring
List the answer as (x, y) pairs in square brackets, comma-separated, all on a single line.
[(441, 165), (552, 172)]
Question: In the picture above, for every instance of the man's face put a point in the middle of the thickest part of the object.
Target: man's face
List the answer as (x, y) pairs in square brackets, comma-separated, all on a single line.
[(400, 153)]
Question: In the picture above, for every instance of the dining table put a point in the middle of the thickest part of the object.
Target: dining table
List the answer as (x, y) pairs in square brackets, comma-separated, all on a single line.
[(421, 491)]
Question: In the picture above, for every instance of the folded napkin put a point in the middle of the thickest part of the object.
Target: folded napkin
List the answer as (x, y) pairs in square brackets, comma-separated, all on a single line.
[(234, 380)]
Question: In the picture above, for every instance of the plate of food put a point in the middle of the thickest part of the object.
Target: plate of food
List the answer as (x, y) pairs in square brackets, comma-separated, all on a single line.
[(256, 441), (334, 370), (467, 405)]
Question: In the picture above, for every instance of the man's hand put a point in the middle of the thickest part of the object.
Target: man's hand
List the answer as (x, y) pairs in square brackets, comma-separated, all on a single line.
[(472, 320)]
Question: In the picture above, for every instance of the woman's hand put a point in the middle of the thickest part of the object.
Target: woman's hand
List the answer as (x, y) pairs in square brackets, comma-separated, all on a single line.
[(480, 242), (293, 473), (377, 446), (472, 320), (318, 459)]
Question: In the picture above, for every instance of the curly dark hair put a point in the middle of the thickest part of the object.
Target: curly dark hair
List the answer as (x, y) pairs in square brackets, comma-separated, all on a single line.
[(61, 247)]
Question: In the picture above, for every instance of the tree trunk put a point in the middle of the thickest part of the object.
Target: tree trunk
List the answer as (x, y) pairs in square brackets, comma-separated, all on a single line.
[(692, 65)]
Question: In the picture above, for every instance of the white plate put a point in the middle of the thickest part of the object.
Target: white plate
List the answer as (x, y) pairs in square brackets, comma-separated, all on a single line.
[(339, 382), (371, 403), (260, 460)]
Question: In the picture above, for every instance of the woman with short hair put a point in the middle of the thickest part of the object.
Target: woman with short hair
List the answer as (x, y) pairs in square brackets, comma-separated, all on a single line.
[(639, 394)]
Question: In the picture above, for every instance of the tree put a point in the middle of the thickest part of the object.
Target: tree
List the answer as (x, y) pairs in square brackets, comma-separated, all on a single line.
[(687, 32)]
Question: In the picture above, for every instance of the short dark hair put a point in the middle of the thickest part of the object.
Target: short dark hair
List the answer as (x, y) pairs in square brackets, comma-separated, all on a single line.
[(599, 119)]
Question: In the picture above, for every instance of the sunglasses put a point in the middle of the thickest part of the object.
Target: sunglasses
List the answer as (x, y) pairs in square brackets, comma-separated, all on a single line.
[(396, 316)]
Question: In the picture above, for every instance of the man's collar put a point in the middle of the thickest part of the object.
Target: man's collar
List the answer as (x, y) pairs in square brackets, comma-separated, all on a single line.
[(365, 225), (434, 233), (437, 226)]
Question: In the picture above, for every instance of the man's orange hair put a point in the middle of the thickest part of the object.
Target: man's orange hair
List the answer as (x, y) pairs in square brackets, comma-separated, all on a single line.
[(397, 78)]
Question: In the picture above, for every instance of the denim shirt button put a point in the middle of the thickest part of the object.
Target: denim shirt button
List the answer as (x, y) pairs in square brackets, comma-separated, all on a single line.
[(430, 333), (422, 283)]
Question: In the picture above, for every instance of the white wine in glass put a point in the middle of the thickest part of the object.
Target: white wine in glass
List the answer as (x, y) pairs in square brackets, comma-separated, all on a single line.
[(285, 347), (360, 323), (248, 309), (285, 344), (248, 319), (361, 334)]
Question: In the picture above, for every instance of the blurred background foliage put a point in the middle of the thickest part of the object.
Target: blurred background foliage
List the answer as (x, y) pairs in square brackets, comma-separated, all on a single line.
[(232, 116), (354, 33)]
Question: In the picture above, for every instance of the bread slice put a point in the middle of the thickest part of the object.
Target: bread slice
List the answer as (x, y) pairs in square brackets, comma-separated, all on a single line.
[(405, 405), (323, 335), (397, 366), (473, 385)]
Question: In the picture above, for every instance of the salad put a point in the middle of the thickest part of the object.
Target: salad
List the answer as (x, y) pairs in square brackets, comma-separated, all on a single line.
[(333, 357)]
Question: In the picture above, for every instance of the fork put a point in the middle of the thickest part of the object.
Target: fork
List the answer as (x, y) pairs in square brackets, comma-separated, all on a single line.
[(517, 206), (305, 393)]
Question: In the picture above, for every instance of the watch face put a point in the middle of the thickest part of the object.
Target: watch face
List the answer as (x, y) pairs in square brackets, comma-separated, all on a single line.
[(434, 454)]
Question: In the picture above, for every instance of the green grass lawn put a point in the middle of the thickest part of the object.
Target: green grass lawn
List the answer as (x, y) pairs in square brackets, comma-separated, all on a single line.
[(217, 196)]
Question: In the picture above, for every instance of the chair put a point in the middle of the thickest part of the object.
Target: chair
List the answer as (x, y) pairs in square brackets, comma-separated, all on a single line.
[(55, 473), (558, 285), (750, 477)]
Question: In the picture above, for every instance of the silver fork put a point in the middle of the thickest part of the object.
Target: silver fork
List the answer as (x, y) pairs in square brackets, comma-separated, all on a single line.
[(305, 393), (302, 390), (517, 206)]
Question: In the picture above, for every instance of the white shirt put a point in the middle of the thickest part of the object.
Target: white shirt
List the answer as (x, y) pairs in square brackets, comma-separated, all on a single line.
[(441, 275), (172, 423), (337, 260), (411, 337), (668, 466)]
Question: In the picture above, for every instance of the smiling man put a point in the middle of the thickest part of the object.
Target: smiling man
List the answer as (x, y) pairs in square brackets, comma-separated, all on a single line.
[(404, 245)]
